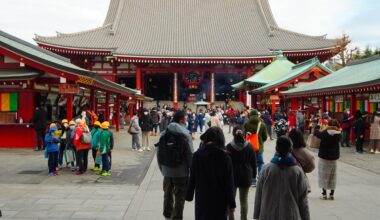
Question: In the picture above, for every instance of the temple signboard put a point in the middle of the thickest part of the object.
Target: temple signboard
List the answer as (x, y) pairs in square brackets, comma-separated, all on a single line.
[(68, 89)]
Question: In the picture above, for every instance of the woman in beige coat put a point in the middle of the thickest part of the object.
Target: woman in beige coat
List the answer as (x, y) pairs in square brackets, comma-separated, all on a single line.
[(215, 122), (303, 156)]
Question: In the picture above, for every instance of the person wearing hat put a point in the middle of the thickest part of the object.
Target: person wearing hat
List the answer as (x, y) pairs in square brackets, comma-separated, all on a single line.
[(52, 140), (62, 147), (82, 142), (281, 191), (95, 133), (105, 147), (70, 143), (252, 126)]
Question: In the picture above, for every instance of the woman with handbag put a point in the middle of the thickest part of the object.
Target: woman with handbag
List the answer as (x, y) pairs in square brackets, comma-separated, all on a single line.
[(135, 130), (303, 156), (82, 140)]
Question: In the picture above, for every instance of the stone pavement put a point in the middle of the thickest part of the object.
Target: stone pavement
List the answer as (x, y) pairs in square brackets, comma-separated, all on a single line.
[(134, 191), (357, 194), (27, 192)]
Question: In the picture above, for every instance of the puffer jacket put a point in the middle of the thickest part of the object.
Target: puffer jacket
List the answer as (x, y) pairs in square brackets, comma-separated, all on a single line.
[(51, 141)]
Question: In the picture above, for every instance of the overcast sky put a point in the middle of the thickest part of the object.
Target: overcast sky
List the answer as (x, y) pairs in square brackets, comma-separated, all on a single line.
[(360, 19)]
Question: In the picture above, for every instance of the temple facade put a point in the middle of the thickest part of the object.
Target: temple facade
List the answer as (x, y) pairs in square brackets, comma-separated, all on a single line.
[(186, 51)]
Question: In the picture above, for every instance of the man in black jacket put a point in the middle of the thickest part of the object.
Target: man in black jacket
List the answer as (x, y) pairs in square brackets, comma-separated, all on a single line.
[(39, 120), (359, 129)]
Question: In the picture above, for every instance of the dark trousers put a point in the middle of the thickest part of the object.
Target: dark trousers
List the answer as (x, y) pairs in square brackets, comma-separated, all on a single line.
[(94, 151), (105, 162), (346, 137), (110, 158), (82, 162), (61, 151), (359, 144), (174, 187), (154, 128), (52, 161), (200, 127), (40, 138)]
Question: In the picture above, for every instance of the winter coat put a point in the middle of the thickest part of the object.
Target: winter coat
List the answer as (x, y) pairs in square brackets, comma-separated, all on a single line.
[(300, 120), (281, 194), (251, 126), (146, 123), (95, 133), (155, 117), (183, 169), (104, 141), (77, 139), (211, 178), (215, 122), (135, 123), (39, 119), (244, 163), (305, 159), (359, 127), (200, 118), (51, 142), (347, 121), (267, 119), (329, 147)]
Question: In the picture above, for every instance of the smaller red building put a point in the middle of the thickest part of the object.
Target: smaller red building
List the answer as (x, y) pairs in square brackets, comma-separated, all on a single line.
[(31, 76)]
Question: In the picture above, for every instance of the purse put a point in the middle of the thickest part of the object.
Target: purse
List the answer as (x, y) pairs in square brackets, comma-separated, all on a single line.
[(86, 137), (131, 129), (253, 139), (69, 156)]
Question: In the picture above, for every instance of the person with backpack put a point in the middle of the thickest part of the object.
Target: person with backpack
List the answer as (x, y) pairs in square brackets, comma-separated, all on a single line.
[(105, 148), (52, 140), (174, 156), (254, 126), (95, 133), (244, 168), (82, 142)]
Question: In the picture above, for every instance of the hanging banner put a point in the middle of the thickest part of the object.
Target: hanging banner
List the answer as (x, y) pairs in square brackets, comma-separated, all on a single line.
[(9, 102), (339, 99), (375, 97), (68, 89)]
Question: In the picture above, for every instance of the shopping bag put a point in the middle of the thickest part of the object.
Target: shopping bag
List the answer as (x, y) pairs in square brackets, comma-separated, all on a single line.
[(69, 156), (98, 159), (253, 139)]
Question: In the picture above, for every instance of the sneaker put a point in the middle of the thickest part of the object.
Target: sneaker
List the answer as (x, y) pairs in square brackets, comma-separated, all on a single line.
[(99, 172), (372, 151), (134, 149), (51, 174), (106, 174), (377, 152), (331, 197), (78, 173), (56, 173), (59, 167), (323, 197), (72, 169), (94, 168), (140, 150), (147, 149)]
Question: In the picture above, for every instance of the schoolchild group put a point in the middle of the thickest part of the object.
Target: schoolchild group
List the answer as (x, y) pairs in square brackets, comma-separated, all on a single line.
[(72, 140)]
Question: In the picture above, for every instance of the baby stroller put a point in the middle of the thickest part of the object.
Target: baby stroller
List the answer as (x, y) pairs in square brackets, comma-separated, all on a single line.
[(281, 127)]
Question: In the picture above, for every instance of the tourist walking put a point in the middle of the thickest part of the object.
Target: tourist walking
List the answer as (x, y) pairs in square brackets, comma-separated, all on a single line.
[(214, 120), (95, 133), (135, 130), (328, 154), (281, 192), (244, 168), (52, 140), (105, 148), (255, 126), (174, 156), (211, 178), (155, 121), (39, 120), (359, 128), (146, 124), (200, 120), (300, 121), (164, 121), (375, 132), (346, 127), (267, 119), (303, 156), (82, 142)]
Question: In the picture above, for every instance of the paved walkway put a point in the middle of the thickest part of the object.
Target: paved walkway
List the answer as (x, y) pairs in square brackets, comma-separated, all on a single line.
[(357, 194), (134, 191)]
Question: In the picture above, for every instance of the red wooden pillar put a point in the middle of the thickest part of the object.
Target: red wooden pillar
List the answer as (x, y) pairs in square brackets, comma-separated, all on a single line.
[(294, 105), (175, 91), (138, 77), (212, 89), (353, 103), (69, 107), (92, 100), (323, 104), (107, 108), (117, 112), (131, 108)]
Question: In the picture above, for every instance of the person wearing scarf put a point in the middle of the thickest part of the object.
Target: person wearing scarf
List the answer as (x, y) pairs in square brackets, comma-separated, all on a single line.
[(282, 189), (244, 167)]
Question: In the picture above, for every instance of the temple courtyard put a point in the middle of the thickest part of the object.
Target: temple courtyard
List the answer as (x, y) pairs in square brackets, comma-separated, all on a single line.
[(134, 191)]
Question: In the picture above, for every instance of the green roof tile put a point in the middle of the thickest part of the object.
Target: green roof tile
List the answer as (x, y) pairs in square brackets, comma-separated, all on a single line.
[(294, 72), (357, 74)]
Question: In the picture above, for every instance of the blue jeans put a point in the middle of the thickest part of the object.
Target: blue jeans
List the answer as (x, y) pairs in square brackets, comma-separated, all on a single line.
[(105, 162), (259, 164), (52, 161)]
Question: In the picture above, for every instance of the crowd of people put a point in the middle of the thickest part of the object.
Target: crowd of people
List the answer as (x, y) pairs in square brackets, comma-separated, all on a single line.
[(218, 170)]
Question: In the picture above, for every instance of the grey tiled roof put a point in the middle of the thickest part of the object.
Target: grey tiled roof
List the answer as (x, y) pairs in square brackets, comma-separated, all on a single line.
[(189, 28)]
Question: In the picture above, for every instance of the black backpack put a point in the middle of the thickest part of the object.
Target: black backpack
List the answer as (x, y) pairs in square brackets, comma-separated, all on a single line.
[(171, 149)]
